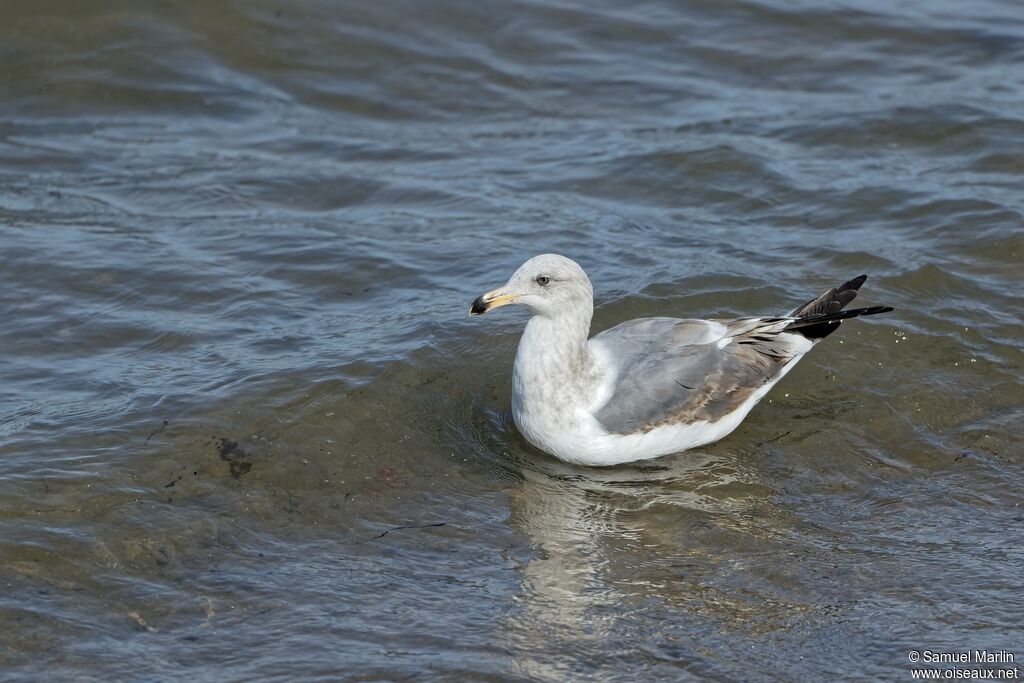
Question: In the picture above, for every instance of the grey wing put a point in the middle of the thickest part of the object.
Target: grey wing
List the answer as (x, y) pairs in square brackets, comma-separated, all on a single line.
[(680, 371)]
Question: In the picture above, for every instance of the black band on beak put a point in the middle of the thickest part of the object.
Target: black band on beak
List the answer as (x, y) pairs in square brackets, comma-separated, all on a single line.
[(479, 306)]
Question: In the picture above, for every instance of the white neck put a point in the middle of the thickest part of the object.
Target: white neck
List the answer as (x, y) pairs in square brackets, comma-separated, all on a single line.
[(553, 367)]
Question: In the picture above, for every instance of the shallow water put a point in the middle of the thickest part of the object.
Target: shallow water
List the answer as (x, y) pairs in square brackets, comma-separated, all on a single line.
[(248, 432)]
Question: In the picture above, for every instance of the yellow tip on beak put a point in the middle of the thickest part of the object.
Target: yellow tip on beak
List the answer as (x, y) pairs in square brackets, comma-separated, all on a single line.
[(495, 298)]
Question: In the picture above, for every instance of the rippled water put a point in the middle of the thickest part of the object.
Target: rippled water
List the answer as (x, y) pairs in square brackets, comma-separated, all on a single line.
[(248, 432)]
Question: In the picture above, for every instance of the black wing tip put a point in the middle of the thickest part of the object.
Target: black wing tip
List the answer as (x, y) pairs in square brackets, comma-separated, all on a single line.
[(841, 315), (854, 284), (820, 326)]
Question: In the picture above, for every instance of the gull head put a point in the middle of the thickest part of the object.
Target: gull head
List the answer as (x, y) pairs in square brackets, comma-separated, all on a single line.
[(548, 285)]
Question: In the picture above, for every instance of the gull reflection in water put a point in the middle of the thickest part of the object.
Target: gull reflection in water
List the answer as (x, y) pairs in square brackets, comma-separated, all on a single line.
[(615, 545)]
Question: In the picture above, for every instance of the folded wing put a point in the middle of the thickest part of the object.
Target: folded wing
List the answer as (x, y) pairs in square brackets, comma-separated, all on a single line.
[(672, 371)]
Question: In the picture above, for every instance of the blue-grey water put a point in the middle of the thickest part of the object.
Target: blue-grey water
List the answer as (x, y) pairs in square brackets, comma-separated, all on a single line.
[(247, 431)]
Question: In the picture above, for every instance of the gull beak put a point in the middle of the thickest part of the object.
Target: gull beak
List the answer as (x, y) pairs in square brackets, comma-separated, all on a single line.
[(495, 298)]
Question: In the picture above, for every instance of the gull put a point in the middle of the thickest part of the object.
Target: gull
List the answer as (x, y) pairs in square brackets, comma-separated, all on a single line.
[(647, 387)]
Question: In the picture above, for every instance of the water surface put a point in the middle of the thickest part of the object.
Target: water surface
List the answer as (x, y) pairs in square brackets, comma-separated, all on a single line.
[(247, 431)]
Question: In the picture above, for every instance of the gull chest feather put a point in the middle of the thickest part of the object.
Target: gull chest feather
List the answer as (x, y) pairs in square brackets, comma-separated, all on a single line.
[(553, 380)]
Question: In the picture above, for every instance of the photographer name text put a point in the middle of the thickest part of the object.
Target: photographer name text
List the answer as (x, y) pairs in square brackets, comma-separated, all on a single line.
[(963, 657)]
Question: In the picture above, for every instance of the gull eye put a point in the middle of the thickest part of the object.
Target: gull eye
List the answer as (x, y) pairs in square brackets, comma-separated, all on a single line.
[(542, 280)]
